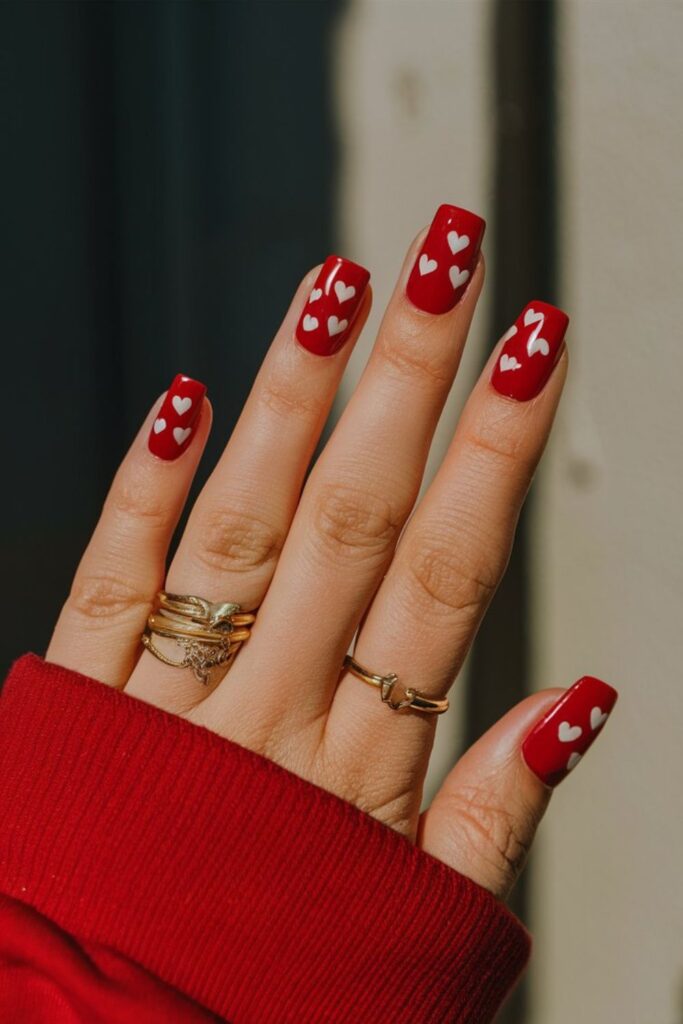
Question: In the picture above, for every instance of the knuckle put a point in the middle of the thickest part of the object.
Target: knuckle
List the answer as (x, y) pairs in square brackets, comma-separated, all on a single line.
[(139, 499), (444, 578), (103, 598), (232, 540), (352, 524), (500, 442), (492, 834), (411, 353), (288, 397)]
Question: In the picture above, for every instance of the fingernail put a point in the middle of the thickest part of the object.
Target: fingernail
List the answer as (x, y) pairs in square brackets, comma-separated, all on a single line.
[(174, 427), (532, 347), (325, 323), (557, 743), (446, 260)]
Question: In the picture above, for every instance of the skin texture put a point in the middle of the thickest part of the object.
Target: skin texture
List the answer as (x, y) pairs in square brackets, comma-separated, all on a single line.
[(321, 562)]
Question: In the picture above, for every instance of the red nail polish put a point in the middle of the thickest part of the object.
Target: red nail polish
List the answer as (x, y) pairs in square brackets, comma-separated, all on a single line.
[(327, 317), (446, 260), (557, 743), (174, 426), (532, 347)]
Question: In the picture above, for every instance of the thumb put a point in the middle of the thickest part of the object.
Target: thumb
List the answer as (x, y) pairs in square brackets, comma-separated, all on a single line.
[(484, 818)]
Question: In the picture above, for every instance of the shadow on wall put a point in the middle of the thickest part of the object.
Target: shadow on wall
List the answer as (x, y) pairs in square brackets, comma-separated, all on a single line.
[(172, 177)]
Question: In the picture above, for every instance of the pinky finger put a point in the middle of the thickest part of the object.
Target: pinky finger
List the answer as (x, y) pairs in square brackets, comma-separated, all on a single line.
[(99, 628), (484, 818)]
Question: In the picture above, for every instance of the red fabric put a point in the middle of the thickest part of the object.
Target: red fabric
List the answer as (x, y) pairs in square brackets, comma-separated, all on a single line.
[(154, 871)]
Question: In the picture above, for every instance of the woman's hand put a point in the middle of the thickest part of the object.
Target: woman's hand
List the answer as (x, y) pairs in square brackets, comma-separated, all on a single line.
[(323, 563)]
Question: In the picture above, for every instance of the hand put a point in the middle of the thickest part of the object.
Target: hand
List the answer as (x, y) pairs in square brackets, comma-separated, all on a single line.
[(325, 562)]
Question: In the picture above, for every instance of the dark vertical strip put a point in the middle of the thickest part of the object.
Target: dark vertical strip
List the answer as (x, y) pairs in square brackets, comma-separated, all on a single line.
[(524, 267), (168, 179)]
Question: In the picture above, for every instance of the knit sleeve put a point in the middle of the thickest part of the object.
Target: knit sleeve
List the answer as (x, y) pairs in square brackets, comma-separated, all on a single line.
[(256, 894)]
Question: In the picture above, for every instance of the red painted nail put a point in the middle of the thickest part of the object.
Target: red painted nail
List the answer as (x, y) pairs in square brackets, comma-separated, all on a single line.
[(327, 317), (446, 260), (532, 347), (557, 743), (174, 427)]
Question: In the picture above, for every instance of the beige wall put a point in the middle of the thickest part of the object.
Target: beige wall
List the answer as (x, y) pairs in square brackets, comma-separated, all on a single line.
[(609, 568), (608, 896)]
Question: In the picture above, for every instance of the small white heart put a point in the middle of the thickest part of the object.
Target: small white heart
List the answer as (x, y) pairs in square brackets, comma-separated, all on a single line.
[(181, 405), (159, 425), (458, 276), (536, 344), (598, 717), (532, 317), (344, 292), (457, 242), (315, 295), (509, 363), (566, 732), (426, 265), (310, 322), (510, 333), (574, 759), (336, 326), (181, 434)]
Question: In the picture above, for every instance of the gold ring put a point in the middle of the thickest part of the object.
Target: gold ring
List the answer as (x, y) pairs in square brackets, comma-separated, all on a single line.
[(209, 632), (411, 699)]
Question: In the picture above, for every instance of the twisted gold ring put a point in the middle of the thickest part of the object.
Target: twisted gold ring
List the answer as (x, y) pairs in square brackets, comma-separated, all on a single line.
[(209, 632), (411, 699)]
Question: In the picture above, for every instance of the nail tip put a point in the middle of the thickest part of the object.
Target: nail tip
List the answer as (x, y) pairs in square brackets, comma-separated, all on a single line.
[(351, 264), (451, 209)]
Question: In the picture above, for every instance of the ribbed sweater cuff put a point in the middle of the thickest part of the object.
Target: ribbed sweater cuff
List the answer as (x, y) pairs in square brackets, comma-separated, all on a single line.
[(256, 893)]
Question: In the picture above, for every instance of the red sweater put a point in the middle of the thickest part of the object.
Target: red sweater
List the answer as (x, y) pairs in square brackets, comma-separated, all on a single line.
[(151, 871)]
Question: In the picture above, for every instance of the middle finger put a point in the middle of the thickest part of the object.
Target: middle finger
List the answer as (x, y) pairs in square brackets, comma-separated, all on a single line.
[(361, 490)]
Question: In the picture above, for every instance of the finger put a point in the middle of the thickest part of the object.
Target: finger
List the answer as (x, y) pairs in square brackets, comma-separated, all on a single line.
[(483, 819), (99, 628), (238, 525), (451, 558), (359, 494)]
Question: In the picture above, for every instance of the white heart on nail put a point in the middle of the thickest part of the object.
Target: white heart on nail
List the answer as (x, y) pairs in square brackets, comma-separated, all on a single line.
[(336, 326), (181, 434), (426, 266), (344, 292), (181, 405), (159, 425), (310, 322), (536, 344), (509, 363), (458, 276), (510, 333), (457, 242), (566, 732), (598, 717), (574, 759), (532, 317), (315, 295)]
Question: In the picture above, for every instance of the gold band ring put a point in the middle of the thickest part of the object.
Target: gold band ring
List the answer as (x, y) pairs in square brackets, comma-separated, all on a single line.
[(209, 632), (412, 699)]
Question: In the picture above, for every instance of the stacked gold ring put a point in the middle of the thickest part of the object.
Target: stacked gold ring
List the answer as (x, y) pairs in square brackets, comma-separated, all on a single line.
[(210, 633)]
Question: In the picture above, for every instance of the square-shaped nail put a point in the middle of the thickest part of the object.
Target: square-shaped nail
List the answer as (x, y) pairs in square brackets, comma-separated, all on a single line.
[(531, 348), (176, 421), (557, 743), (327, 317), (446, 259)]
